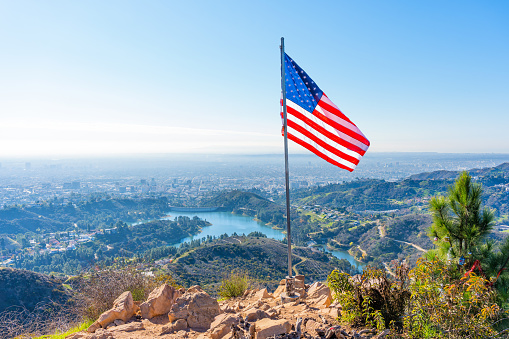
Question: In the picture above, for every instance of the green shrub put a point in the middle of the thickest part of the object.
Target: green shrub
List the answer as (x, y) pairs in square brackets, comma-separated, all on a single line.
[(444, 306), (234, 285), (372, 299)]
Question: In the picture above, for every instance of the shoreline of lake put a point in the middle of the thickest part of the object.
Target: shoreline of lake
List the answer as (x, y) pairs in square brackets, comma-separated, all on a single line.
[(229, 223)]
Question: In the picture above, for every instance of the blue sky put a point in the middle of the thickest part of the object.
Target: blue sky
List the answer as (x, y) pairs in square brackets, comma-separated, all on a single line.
[(116, 77)]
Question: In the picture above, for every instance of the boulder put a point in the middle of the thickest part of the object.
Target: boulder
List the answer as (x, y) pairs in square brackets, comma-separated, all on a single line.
[(319, 295), (262, 294), (178, 325), (159, 301), (280, 289), (196, 307), (266, 328), (123, 309), (194, 289), (254, 314), (220, 327)]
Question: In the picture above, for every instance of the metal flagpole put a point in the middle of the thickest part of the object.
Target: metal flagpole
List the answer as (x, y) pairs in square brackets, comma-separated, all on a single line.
[(287, 176)]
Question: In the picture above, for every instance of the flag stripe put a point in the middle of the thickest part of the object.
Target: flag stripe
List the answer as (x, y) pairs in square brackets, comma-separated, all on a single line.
[(346, 165), (322, 141), (345, 125), (316, 121), (316, 132)]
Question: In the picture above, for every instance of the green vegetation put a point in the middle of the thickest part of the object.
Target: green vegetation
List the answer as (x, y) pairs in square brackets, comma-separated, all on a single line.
[(259, 257), (373, 299), (91, 213), (80, 327), (459, 225), (444, 303), (146, 241), (234, 285), (442, 296)]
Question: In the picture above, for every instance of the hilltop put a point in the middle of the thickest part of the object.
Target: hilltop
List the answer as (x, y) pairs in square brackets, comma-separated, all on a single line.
[(501, 171), (261, 258)]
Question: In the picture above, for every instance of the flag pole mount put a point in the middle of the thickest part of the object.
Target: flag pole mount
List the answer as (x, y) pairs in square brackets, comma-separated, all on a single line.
[(289, 295)]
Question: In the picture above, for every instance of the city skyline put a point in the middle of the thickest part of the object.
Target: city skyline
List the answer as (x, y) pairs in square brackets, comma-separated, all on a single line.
[(127, 77)]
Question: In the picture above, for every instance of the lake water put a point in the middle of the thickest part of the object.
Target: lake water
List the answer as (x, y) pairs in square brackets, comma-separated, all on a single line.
[(225, 222)]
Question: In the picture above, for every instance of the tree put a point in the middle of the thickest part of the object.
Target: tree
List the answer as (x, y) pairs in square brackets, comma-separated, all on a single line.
[(459, 223)]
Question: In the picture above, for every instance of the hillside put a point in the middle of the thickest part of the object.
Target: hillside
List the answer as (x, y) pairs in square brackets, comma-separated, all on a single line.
[(261, 258), (21, 288), (92, 213)]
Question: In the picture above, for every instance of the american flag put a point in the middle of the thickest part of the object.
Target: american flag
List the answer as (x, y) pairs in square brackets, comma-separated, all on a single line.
[(315, 123)]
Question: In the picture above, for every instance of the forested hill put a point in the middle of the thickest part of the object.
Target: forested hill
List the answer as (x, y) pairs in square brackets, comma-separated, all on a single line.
[(260, 257), (93, 213), (26, 289), (380, 195), (369, 194)]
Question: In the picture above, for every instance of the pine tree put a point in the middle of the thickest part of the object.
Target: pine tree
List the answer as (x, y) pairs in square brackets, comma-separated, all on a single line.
[(459, 224)]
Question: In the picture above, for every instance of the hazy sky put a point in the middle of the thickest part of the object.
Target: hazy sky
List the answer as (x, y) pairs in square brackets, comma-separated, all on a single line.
[(96, 77)]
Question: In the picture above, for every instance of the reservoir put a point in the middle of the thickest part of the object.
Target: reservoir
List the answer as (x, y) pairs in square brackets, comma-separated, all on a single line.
[(226, 222)]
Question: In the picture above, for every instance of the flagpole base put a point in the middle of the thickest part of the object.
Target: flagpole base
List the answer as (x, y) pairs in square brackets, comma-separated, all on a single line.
[(289, 295)]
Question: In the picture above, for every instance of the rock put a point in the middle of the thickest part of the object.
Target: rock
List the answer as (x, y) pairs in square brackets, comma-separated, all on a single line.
[(119, 322), (194, 289), (130, 327), (254, 314), (159, 301), (123, 309), (264, 307), (227, 309), (262, 294), (319, 295), (178, 325), (332, 312), (311, 325), (267, 327), (220, 327), (182, 334), (278, 291), (197, 307)]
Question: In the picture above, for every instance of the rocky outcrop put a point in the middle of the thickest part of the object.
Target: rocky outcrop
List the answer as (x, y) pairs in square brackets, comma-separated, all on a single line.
[(123, 309), (159, 301), (258, 314), (197, 307)]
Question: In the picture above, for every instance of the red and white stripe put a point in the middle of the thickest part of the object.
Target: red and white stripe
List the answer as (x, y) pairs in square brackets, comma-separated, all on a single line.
[(327, 132)]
